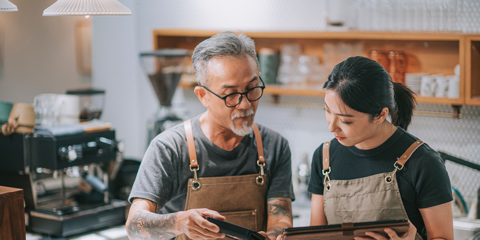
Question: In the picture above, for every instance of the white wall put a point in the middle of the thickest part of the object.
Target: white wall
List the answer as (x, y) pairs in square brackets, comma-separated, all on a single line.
[(37, 53), (141, 103), (115, 68)]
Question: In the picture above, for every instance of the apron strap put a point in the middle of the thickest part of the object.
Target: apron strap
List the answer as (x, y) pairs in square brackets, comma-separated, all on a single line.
[(398, 165), (261, 159), (258, 139), (407, 154), (191, 144), (326, 165), (193, 155), (326, 156)]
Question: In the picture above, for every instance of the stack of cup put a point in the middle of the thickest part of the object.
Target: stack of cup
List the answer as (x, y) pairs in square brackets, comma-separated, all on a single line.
[(57, 109), (45, 109), (453, 87), (414, 81), (428, 86), (441, 86)]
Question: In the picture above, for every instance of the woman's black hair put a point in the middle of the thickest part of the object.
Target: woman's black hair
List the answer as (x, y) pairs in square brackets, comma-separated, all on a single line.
[(365, 86)]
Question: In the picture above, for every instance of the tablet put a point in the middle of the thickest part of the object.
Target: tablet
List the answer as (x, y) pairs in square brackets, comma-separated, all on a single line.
[(345, 230), (236, 232)]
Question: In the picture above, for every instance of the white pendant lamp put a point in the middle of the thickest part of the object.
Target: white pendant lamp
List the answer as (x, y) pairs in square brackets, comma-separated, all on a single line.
[(86, 7), (7, 6)]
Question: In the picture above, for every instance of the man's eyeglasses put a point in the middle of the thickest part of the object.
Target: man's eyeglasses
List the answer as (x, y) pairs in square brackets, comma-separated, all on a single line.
[(233, 99)]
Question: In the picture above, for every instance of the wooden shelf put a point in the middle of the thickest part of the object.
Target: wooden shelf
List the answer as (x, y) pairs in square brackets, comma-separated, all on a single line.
[(318, 35), (295, 90), (433, 53)]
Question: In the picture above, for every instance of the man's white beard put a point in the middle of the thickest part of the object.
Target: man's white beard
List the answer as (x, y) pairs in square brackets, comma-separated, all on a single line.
[(246, 129)]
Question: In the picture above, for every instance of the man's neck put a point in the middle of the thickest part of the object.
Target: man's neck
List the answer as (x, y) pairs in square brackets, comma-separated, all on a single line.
[(219, 135)]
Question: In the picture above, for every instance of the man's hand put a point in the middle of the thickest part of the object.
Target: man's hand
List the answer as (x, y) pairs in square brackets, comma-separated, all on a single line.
[(145, 223), (409, 235), (195, 226)]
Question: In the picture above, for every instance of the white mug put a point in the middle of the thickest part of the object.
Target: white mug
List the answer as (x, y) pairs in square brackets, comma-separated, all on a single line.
[(442, 86), (453, 87), (68, 109), (427, 88)]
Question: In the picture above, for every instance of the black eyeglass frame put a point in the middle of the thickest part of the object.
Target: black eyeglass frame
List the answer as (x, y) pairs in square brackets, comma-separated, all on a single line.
[(224, 98)]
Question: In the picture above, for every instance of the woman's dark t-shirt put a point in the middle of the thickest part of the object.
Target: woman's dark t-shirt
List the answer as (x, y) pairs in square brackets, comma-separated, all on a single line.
[(423, 182)]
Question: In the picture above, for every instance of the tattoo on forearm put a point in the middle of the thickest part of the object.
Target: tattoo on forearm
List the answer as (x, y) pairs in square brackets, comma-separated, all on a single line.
[(274, 231), (147, 225), (279, 207)]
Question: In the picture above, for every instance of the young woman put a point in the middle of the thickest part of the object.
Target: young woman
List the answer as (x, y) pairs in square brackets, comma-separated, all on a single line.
[(373, 169)]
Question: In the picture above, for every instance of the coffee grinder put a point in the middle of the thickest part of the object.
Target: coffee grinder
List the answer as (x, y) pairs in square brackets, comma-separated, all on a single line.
[(164, 68)]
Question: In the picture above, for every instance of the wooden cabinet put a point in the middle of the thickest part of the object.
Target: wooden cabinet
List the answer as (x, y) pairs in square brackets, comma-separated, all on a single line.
[(472, 69), (12, 213), (432, 53)]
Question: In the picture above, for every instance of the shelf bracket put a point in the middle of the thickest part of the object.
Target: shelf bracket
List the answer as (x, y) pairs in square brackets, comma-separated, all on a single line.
[(456, 111), (276, 99)]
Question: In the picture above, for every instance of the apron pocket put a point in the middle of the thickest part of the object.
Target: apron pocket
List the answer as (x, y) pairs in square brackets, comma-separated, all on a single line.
[(247, 219)]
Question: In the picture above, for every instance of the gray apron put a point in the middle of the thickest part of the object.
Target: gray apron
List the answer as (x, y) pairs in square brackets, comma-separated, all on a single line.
[(241, 199), (372, 198)]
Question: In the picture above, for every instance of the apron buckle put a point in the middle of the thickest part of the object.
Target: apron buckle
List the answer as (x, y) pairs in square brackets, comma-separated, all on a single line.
[(196, 185), (327, 182), (398, 166), (260, 179), (327, 186), (388, 179)]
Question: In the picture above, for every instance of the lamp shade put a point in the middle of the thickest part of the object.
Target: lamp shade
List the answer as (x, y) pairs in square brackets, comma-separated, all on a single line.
[(7, 6), (86, 7)]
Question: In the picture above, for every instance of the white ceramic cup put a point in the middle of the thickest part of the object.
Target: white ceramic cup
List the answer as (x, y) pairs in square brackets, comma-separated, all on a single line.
[(453, 87), (442, 86), (68, 109), (427, 88)]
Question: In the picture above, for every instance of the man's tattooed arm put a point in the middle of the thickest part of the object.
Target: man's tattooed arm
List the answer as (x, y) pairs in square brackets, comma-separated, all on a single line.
[(144, 223), (279, 207), (279, 216)]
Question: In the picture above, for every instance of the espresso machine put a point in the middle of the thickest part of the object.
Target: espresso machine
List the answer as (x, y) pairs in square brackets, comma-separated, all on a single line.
[(164, 68), (65, 178)]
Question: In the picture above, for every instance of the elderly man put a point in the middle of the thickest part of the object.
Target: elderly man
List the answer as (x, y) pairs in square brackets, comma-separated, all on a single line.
[(219, 164)]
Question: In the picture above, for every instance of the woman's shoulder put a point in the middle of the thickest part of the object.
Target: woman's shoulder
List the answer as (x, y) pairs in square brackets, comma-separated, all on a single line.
[(424, 155)]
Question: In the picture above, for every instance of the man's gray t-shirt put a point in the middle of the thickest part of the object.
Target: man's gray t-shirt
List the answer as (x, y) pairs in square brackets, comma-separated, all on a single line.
[(165, 168)]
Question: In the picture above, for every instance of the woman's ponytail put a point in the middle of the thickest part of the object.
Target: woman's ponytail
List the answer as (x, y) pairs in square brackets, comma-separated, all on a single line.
[(404, 106)]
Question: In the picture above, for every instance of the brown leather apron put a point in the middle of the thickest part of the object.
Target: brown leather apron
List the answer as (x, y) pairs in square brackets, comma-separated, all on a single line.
[(372, 198), (241, 199)]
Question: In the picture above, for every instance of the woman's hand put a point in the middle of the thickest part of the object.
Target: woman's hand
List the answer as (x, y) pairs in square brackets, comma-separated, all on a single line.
[(409, 235), (264, 234)]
